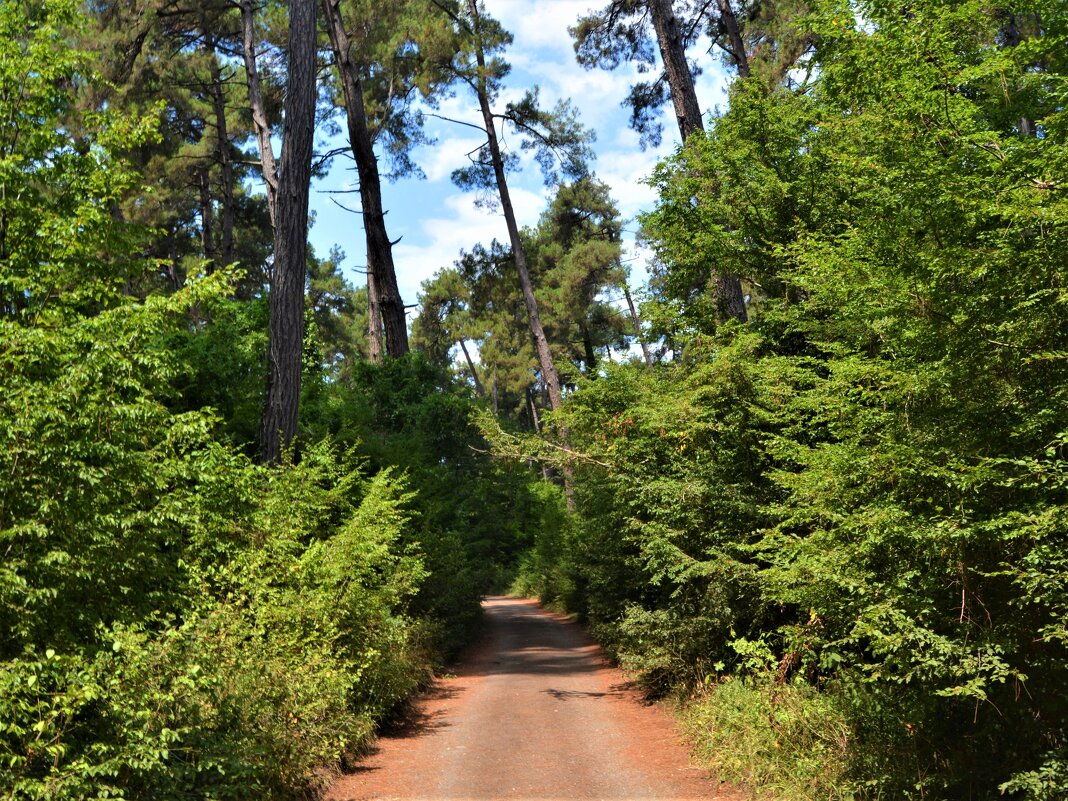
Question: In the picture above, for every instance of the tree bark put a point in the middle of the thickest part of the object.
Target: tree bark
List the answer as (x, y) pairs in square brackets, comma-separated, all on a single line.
[(673, 53), (589, 355), (729, 297), (734, 33), (222, 153), (379, 247), (374, 319), (541, 342), (258, 109), (291, 238), (533, 409)]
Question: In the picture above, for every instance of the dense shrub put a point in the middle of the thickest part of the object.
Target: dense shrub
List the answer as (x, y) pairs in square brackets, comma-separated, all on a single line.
[(178, 621), (860, 495), (175, 621), (472, 515)]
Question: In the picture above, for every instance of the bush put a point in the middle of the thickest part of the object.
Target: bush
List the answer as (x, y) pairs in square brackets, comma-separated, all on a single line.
[(178, 621)]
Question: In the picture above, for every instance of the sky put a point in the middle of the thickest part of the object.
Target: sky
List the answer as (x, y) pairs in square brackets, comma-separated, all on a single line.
[(436, 221)]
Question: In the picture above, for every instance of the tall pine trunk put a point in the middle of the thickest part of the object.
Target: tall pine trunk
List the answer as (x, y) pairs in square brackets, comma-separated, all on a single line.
[(727, 288), (291, 238), (541, 343), (382, 289), (679, 77), (734, 33), (374, 319)]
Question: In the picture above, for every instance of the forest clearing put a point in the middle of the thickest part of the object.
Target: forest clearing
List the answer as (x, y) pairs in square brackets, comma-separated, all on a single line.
[(787, 438)]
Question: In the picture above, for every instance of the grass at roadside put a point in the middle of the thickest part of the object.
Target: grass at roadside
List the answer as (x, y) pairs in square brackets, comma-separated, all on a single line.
[(784, 742)]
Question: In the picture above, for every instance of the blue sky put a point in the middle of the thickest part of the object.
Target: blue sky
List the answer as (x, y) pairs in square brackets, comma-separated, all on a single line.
[(436, 220)]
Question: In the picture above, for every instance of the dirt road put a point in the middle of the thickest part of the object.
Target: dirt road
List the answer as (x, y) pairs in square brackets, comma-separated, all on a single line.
[(534, 713)]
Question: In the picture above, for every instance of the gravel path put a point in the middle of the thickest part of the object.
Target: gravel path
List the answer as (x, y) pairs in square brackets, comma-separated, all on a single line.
[(534, 713)]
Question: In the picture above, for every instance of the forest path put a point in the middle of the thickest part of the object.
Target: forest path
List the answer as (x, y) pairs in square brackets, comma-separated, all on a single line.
[(534, 713)]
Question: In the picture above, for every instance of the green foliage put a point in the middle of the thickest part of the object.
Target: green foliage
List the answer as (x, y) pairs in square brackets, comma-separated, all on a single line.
[(59, 173), (176, 65), (178, 621), (667, 482), (175, 621), (781, 740), (573, 256), (471, 515), (221, 364), (840, 527), (544, 570), (861, 494)]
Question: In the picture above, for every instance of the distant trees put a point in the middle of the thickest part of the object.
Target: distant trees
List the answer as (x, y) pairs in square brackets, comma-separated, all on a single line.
[(574, 261), (560, 143), (178, 63)]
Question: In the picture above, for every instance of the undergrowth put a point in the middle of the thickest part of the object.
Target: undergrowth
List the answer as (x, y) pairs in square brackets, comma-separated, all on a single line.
[(785, 742)]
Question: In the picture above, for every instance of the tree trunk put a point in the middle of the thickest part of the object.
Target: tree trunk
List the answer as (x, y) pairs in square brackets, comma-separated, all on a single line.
[(730, 22), (533, 410), (673, 53), (590, 356), (728, 288), (259, 111), (379, 248), (222, 153), (374, 319), (541, 343), (729, 297), (637, 323), (471, 366), (291, 238)]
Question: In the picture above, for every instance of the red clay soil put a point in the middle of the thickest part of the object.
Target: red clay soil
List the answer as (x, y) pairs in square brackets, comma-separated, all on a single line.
[(534, 713)]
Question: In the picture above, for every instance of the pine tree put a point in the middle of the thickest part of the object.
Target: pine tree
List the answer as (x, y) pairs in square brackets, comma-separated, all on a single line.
[(620, 32), (291, 236), (560, 144)]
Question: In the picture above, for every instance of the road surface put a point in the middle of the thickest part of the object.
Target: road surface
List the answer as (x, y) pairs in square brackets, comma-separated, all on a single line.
[(534, 713)]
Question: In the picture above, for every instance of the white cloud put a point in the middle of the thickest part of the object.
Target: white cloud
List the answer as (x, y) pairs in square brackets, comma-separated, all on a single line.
[(625, 172), (541, 25), (447, 154), (461, 227)]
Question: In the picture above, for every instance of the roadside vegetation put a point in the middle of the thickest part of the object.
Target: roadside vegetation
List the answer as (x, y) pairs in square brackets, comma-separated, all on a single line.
[(838, 530)]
